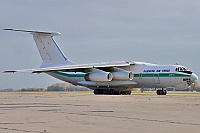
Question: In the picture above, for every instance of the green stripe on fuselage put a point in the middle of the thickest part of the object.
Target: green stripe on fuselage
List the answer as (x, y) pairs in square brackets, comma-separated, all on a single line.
[(161, 75), (69, 74), (135, 75)]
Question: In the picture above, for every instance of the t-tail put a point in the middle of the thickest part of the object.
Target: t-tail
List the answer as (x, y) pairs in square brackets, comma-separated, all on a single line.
[(50, 52)]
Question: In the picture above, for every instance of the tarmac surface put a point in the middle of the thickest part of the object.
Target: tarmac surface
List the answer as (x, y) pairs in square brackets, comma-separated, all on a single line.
[(62, 112)]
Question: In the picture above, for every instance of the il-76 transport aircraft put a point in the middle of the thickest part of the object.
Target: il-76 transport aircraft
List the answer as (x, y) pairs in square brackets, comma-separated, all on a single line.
[(117, 78)]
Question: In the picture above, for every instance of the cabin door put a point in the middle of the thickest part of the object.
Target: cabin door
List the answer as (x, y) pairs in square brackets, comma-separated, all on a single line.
[(156, 78)]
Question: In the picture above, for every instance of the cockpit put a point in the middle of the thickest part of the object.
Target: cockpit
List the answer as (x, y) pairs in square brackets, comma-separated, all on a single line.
[(183, 69)]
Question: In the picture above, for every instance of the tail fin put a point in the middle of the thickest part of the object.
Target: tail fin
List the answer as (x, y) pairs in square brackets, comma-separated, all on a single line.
[(49, 51)]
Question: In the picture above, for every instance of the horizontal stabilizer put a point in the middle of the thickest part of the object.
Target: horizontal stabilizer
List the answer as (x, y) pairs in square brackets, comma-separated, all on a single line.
[(20, 71), (33, 31)]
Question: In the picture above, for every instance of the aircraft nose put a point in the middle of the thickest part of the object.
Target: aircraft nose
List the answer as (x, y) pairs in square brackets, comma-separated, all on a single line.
[(194, 77)]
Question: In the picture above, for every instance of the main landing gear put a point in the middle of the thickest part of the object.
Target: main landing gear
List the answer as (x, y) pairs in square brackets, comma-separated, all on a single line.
[(161, 92), (110, 92)]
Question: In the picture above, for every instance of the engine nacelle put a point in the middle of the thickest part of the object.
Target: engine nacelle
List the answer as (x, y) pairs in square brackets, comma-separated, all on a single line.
[(100, 76), (122, 75)]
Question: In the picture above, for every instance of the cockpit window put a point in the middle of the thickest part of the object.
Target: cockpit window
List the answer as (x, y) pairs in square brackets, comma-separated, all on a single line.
[(180, 69), (183, 69)]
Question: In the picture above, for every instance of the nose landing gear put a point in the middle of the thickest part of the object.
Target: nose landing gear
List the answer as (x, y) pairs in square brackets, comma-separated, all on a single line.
[(161, 92)]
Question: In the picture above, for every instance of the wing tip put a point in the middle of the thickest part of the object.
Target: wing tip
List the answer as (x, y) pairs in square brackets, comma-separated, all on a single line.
[(9, 71)]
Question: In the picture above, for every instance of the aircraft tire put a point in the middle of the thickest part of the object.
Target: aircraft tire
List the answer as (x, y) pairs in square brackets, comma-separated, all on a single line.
[(98, 91), (110, 92), (116, 93), (161, 92), (158, 92), (128, 93), (165, 92)]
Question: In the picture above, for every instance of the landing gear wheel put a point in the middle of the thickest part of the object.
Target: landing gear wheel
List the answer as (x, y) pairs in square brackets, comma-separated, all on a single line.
[(110, 92), (98, 91), (165, 92), (161, 92), (158, 92)]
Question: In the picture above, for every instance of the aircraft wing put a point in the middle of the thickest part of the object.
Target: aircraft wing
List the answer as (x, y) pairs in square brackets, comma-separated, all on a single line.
[(75, 68)]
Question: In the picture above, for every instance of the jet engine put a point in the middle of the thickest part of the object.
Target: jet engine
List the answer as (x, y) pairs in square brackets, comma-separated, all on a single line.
[(99, 76), (122, 75)]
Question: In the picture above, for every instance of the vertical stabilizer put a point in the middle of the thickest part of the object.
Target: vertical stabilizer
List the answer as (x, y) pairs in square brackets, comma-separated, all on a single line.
[(49, 51)]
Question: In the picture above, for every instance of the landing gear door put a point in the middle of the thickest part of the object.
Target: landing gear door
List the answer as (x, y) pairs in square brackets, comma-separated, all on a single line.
[(156, 78)]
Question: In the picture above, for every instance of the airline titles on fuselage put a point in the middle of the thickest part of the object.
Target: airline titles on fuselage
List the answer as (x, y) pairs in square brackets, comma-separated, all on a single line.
[(164, 70)]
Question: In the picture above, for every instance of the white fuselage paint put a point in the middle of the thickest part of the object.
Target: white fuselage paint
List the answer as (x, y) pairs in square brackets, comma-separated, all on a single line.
[(145, 75)]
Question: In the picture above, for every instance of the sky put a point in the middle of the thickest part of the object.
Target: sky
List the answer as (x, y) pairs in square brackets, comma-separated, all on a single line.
[(154, 31)]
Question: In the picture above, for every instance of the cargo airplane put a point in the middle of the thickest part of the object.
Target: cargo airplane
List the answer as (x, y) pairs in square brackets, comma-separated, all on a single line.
[(117, 78)]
